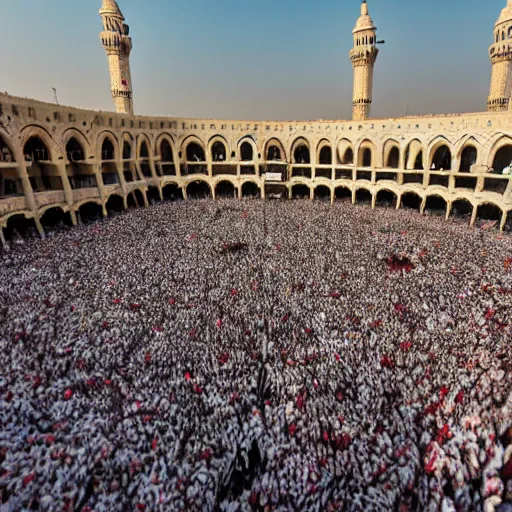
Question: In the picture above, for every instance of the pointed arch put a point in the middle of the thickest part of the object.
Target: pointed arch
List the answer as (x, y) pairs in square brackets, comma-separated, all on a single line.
[(274, 150), (414, 155), (324, 153), (79, 137), (100, 140), (301, 151), (193, 150), (345, 152), (366, 154), (391, 154), (247, 150), (500, 152), (35, 131), (440, 152), (218, 149)]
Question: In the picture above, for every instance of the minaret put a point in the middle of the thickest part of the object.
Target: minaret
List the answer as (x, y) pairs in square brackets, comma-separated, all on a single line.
[(363, 57), (500, 53), (118, 45)]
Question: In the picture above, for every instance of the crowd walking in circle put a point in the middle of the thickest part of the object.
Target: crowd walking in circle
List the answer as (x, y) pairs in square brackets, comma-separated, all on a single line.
[(256, 356)]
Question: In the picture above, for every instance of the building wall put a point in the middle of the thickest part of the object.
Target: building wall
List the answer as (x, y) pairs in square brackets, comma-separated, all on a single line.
[(21, 119)]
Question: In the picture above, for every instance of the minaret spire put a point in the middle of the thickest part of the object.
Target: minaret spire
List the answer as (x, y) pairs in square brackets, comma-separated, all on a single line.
[(118, 45), (363, 56), (500, 53)]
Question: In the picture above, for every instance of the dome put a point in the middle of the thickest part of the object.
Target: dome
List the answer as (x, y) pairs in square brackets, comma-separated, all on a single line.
[(365, 21), (110, 8), (506, 14)]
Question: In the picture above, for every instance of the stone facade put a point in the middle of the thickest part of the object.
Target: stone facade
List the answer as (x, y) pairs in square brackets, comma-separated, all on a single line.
[(60, 157)]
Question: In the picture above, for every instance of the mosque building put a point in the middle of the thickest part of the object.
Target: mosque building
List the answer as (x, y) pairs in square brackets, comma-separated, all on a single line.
[(60, 163)]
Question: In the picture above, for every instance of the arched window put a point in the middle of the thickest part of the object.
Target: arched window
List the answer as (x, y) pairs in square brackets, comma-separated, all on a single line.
[(274, 153), (325, 156), (467, 159), (393, 158), (166, 151), (246, 152), (195, 153), (502, 159), (301, 155), (218, 152), (144, 151), (442, 160), (127, 150), (348, 157), (107, 150), (367, 157), (74, 151)]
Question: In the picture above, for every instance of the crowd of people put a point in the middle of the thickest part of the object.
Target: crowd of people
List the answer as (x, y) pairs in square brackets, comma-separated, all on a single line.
[(256, 356)]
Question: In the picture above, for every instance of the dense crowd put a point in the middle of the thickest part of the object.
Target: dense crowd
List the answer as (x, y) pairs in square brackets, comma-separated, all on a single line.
[(257, 355)]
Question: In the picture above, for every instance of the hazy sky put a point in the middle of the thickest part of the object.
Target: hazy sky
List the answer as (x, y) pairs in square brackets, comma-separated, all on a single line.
[(239, 59)]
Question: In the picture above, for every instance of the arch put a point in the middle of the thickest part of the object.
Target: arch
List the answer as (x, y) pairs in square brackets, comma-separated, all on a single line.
[(153, 195), (440, 155), (108, 161), (108, 148), (19, 225), (345, 152), (218, 149), (342, 194), (324, 153), (135, 199), (225, 189), (144, 148), (35, 131), (414, 155), (301, 152), (386, 198), (128, 147), (502, 158), (54, 217), (489, 211), (114, 204), (79, 173), (198, 189), (247, 150), (73, 133), (172, 192), (166, 151), (468, 158), (113, 141), (391, 154), (462, 208), (411, 200), (194, 150), (363, 196), (250, 189), (300, 191), (43, 174), (89, 211), (366, 154), (274, 150), (10, 181), (322, 192), (435, 204)]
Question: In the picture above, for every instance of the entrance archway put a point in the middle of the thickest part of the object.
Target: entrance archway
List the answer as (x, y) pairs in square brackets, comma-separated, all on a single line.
[(502, 159), (300, 192), (467, 158), (19, 226), (79, 174), (43, 174), (251, 190), (198, 190), (342, 194), (226, 190), (386, 199), (322, 192), (489, 212), (153, 195), (172, 192), (462, 208), (435, 205), (108, 164), (115, 204), (411, 200), (442, 159), (363, 196), (90, 212), (55, 218)]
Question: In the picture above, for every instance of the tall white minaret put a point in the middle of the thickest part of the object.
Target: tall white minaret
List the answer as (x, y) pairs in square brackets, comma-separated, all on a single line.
[(363, 57), (500, 53), (118, 45)]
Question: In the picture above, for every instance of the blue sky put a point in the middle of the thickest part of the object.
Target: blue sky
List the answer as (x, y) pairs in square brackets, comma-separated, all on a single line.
[(238, 59)]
